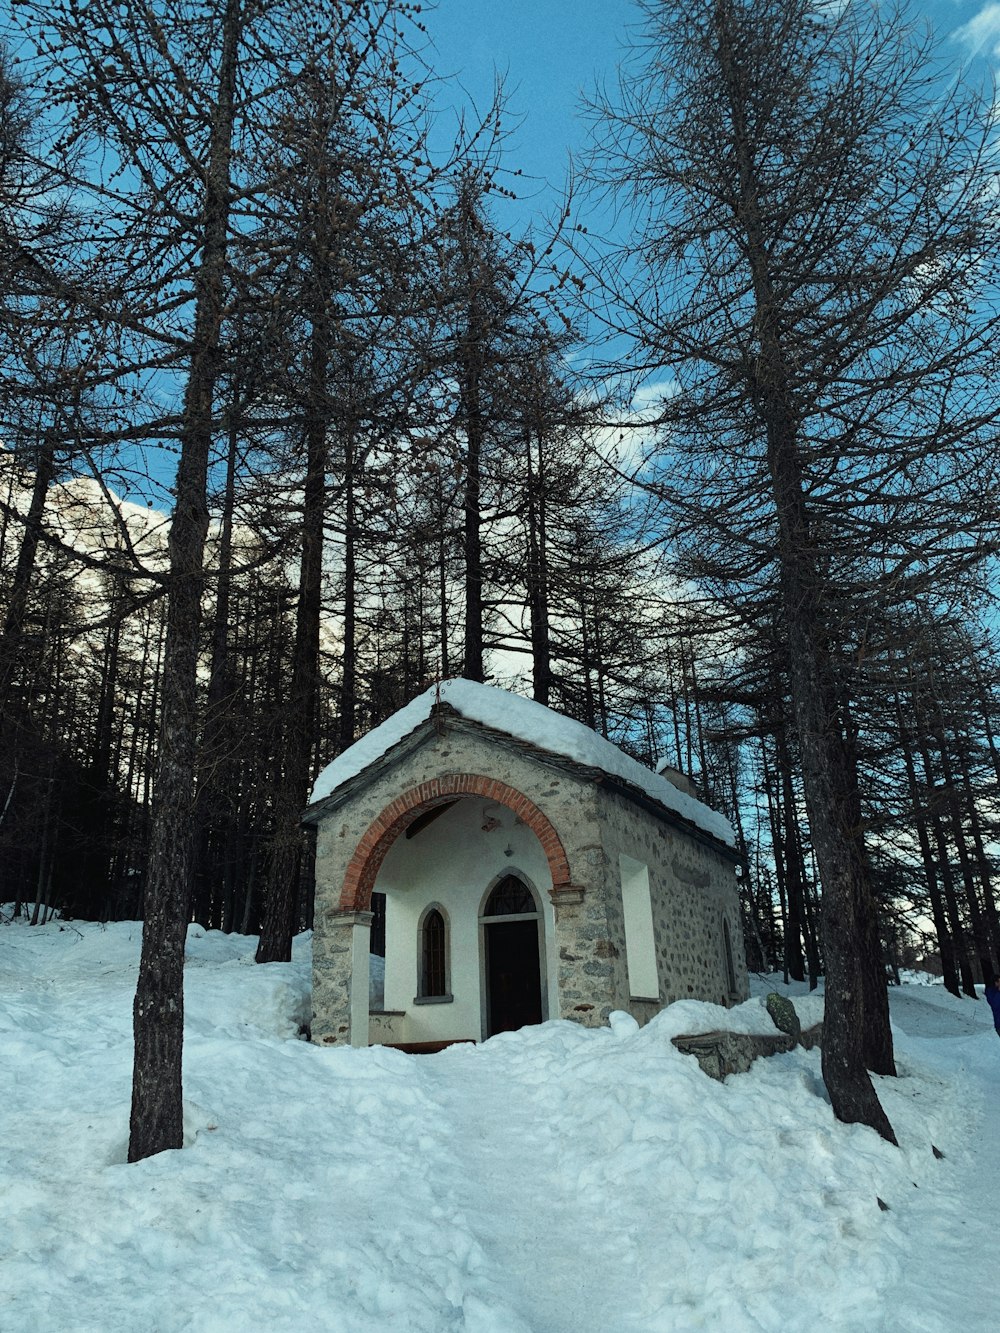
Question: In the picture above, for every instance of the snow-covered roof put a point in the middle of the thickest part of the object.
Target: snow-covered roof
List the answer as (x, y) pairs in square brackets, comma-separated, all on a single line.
[(524, 720)]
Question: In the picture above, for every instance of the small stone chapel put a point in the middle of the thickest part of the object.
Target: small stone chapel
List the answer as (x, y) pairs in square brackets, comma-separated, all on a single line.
[(518, 867)]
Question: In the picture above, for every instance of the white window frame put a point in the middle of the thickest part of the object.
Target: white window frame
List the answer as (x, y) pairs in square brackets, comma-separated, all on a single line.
[(640, 938)]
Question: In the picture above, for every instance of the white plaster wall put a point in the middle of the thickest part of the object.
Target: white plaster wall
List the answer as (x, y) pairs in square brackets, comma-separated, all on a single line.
[(452, 862)]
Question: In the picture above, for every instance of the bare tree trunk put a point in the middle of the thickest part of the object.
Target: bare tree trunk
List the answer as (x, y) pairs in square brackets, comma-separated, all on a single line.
[(977, 921), (300, 706), (473, 666), (792, 857), (827, 781), (157, 1103), (982, 860), (470, 360), (944, 866), (944, 940), (538, 576), (780, 857), (215, 785), (444, 668), (10, 634), (349, 668), (986, 712)]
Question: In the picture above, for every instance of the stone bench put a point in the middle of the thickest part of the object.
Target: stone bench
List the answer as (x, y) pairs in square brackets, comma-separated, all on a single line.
[(723, 1053)]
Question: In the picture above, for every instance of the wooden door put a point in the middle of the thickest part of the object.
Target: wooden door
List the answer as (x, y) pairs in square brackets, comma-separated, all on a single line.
[(513, 981)]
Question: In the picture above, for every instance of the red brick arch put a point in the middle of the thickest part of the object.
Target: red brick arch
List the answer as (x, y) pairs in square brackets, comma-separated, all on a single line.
[(359, 879)]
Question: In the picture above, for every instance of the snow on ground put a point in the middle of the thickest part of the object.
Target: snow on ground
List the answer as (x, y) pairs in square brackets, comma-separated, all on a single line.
[(548, 1180)]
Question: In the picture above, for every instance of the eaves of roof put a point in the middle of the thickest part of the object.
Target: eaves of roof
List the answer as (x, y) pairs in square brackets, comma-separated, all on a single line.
[(445, 717)]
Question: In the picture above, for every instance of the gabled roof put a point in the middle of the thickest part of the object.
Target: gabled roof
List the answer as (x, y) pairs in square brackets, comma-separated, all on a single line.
[(533, 725)]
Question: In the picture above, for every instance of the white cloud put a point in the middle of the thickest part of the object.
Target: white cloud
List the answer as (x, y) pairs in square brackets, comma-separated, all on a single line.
[(982, 32), (649, 398)]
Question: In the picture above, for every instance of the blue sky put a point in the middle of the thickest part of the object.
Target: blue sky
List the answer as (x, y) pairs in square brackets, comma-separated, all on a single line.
[(550, 51)]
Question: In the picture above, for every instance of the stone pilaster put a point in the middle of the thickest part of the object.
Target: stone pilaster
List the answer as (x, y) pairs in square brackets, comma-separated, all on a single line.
[(340, 979), (585, 955)]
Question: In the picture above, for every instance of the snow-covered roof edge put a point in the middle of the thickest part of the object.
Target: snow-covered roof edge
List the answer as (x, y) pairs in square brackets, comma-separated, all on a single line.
[(528, 721)]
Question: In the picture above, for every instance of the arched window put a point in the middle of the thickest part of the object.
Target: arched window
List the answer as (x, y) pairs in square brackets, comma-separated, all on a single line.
[(377, 945), (433, 955), (730, 969), (511, 897)]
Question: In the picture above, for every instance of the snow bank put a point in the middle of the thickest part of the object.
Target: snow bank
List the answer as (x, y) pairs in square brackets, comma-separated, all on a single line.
[(528, 721), (555, 1180)]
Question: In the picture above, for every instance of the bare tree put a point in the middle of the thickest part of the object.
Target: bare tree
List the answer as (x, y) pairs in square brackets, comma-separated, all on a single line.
[(348, 210), (815, 270)]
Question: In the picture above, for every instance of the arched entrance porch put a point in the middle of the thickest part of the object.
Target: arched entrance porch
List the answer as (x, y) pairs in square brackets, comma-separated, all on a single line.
[(359, 879), (436, 852)]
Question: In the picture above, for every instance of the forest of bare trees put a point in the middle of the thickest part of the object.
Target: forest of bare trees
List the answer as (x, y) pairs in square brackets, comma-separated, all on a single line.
[(291, 426)]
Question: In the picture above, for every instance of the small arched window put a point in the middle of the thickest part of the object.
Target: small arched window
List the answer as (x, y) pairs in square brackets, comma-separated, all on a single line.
[(511, 897), (433, 955)]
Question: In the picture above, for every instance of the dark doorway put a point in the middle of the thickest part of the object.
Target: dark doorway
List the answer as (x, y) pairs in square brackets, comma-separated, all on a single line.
[(513, 984)]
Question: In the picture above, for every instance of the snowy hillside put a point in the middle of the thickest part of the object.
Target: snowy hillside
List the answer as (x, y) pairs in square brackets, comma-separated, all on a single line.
[(554, 1179)]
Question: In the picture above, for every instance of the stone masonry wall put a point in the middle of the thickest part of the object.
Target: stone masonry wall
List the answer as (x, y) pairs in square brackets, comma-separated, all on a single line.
[(693, 890)]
